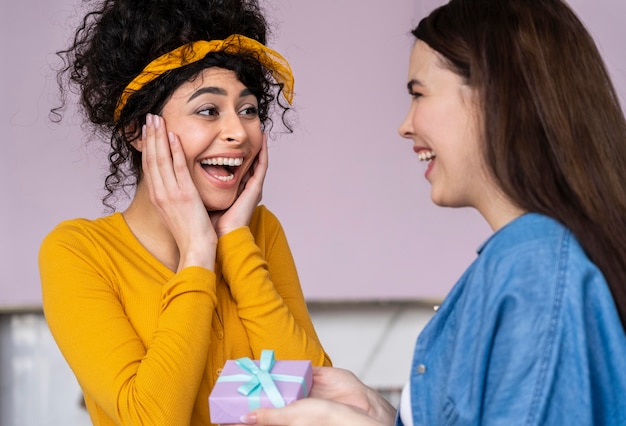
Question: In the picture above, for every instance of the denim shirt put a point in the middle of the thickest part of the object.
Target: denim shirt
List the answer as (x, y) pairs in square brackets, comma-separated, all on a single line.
[(529, 335)]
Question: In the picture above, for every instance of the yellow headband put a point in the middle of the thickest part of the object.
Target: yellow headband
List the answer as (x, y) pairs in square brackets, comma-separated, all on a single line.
[(187, 54)]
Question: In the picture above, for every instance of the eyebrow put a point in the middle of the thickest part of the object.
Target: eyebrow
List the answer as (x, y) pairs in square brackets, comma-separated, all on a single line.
[(216, 91)]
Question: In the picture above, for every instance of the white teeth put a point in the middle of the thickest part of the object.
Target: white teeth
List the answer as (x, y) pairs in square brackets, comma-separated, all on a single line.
[(223, 161), (426, 155)]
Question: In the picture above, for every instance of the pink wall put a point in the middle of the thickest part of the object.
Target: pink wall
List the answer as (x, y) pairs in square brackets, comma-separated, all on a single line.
[(347, 188)]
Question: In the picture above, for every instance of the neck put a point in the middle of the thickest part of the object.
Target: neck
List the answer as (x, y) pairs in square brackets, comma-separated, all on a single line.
[(146, 224), (499, 210)]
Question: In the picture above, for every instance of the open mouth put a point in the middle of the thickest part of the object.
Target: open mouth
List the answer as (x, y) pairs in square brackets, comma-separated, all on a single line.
[(222, 168), (425, 155)]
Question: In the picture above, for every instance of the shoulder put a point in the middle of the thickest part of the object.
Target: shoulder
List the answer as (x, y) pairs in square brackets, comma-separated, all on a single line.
[(531, 243), (82, 231), (267, 231), (263, 214), (83, 226), (263, 219), (534, 258), (531, 231), (534, 271)]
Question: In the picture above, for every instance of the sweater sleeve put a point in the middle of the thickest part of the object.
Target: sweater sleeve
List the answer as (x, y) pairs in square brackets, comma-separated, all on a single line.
[(267, 291), (132, 383)]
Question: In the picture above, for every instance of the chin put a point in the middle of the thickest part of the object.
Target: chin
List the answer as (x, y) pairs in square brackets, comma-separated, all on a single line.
[(219, 205), (449, 202), (438, 200), (442, 201)]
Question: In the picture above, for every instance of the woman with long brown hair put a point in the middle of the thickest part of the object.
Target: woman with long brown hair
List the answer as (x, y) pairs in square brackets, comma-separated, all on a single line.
[(514, 113)]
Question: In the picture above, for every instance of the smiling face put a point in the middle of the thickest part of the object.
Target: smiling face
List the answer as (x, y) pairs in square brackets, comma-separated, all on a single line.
[(443, 124), (216, 120)]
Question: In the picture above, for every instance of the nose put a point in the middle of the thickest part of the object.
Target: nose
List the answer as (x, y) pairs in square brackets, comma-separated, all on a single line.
[(232, 128), (406, 127)]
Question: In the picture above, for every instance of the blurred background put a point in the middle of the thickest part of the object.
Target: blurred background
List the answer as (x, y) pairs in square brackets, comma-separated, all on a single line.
[(373, 253)]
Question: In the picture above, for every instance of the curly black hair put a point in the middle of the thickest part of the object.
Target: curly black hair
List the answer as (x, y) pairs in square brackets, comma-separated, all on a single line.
[(119, 38)]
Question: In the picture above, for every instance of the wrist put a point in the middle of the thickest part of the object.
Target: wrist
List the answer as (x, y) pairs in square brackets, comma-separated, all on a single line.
[(380, 409), (203, 257)]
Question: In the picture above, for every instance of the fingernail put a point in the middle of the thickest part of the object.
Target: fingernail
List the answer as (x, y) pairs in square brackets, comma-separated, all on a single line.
[(170, 136), (249, 419), (157, 121), (149, 119)]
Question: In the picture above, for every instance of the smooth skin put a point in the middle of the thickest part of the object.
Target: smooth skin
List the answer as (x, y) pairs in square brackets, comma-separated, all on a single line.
[(180, 210), (444, 118), (443, 121)]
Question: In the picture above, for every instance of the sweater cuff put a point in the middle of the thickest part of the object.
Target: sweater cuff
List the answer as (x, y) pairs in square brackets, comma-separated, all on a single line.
[(231, 242), (193, 279)]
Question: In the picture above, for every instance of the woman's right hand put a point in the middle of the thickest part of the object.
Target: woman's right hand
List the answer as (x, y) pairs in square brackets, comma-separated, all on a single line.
[(343, 386), (250, 194), (174, 194)]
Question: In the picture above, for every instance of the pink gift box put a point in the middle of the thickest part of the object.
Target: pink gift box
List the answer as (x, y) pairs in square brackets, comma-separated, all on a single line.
[(227, 403)]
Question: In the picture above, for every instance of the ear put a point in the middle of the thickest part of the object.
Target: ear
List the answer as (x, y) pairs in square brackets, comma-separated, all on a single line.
[(138, 142)]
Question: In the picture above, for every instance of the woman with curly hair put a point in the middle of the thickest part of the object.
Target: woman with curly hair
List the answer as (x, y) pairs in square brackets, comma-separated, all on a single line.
[(147, 304)]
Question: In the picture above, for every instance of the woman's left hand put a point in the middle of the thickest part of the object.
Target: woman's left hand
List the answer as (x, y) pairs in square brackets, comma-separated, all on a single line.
[(250, 195)]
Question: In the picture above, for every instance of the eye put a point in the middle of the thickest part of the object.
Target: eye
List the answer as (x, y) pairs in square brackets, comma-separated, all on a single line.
[(210, 110), (250, 110), (414, 94)]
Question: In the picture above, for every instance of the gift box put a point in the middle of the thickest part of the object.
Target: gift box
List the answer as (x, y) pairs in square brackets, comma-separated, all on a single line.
[(245, 385)]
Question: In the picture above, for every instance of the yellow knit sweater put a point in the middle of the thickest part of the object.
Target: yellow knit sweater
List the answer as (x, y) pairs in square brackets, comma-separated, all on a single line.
[(147, 344)]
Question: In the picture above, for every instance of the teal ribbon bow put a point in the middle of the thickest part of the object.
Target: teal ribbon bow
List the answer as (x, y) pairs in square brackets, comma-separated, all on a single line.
[(261, 379)]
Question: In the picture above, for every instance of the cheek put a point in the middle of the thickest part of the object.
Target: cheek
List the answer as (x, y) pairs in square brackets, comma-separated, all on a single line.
[(256, 146), (431, 130), (426, 119), (255, 136), (193, 140), (189, 150)]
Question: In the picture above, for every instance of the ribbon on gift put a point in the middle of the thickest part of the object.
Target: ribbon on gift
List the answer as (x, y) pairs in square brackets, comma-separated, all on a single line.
[(261, 379)]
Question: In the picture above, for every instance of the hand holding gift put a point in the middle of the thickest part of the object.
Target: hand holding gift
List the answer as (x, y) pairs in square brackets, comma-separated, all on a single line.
[(245, 385)]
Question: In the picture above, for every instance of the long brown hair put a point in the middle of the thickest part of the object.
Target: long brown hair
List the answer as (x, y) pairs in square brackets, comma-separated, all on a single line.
[(555, 133)]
